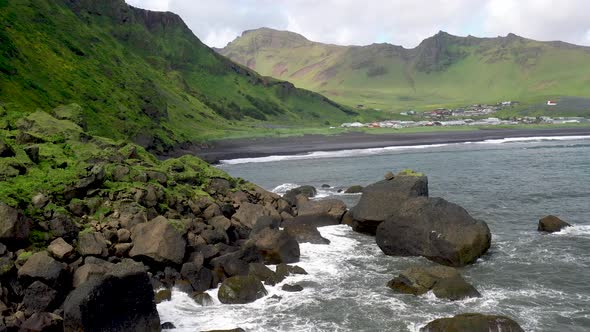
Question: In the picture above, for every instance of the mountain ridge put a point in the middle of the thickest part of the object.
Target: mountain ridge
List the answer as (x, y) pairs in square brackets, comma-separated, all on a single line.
[(382, 75)]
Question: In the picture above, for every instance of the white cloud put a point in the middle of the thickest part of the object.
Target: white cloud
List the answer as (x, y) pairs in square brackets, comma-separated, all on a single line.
[(400, 22)]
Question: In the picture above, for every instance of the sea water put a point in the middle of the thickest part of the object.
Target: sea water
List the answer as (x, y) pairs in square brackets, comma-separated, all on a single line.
[(540, 280)]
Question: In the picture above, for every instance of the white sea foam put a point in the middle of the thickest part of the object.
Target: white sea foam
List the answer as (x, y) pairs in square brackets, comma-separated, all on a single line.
[(575, 230), (329, 154), (532, 139), (283, 188), (376, 151)]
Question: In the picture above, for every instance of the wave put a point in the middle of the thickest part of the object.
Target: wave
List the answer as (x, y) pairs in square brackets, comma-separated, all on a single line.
[(531, 139), (376, 151), (329, 154), (575, 230)]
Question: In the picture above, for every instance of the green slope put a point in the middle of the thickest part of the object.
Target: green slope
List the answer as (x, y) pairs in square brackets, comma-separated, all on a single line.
[(443, 70), (139, 75)]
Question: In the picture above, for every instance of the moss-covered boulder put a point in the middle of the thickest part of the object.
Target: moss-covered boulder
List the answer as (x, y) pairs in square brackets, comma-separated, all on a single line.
[(241, 289), (473, 322)]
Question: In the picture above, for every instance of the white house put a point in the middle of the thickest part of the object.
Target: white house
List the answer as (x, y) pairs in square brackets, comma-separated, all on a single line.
[(551, 103)]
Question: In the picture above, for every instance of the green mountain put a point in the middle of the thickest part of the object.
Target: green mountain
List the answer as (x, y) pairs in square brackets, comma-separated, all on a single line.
[(139, 75), (444, 70)]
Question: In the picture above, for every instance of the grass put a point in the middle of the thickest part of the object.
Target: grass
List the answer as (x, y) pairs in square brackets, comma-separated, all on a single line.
[(467, 70), (134, 79)]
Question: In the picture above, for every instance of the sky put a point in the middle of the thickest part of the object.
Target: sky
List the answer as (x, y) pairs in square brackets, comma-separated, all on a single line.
[(398, 22)]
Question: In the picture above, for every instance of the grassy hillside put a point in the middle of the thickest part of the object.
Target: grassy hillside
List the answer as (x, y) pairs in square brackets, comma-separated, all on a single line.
[(139, 75), (444, 70)]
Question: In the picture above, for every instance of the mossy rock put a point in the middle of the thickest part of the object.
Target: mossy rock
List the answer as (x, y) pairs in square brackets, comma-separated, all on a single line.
[(241, 289), (409, 172)]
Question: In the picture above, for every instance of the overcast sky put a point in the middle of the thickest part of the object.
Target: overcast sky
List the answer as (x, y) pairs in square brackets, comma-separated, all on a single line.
[(399, 22)]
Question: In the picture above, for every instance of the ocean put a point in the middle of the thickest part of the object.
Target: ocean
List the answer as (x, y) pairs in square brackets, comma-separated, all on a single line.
[(540, 280)]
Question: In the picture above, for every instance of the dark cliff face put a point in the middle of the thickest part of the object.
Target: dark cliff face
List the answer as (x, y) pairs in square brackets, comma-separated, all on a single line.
[(437, 52)]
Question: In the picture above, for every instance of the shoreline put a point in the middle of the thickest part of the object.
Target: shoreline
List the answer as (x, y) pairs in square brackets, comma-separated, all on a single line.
[(270, 146)]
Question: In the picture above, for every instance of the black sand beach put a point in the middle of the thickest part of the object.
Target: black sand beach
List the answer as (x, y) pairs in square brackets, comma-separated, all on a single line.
[(267, 146)]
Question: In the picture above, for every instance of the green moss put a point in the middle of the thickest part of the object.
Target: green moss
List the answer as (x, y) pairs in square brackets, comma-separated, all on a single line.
[(178, 225), (24, 256), (39, 238), (409, 172)]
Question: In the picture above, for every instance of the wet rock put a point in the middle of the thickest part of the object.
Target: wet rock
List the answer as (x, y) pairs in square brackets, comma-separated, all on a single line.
[(163, 295), (454, 289), (304, 233), (313, 220), (551, 224), (292, 288), (92, 243), (203, 299), (445, 282), (307, 191), (122, 300), (436, 229), (263, 273), (381, 200), (327, 207), (200, 277), (473, 322), (354, 189), (41, 266), (168, 326), (14, 227), (230, 330), (276, 246), (158, 241), (264, 222), (60, 249), (43, 322), (236, 263), (158, 177), (241, 289)]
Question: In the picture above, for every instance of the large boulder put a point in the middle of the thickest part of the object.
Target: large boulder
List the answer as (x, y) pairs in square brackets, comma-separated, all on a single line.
[(327, 207), (158, 241), (304, 233), (14, 227), (122, 300), (306, 191), (92, 243), (381, 200), (276, 246), (237, 262), (42, 267), (43, 322), (473, 323), (436, 229), (551, 224), (241, 289), (200, 277), (248, 214)]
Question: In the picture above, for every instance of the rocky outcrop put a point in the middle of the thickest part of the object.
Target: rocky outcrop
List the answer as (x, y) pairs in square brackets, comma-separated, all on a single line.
[(42, 267), (551, 224), (305, 233), (276, 246), (332, 208), (381, 200), (158, 241), (122, 300), (305, 191), (241, 289), (445, 282), (436, 229), (473, 322)]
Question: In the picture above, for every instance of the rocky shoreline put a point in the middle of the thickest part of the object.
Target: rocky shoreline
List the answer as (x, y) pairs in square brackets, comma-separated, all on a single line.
[(94, 233)]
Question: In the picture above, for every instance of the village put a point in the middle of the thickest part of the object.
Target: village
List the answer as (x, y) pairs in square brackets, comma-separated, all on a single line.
[(474, 115)]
